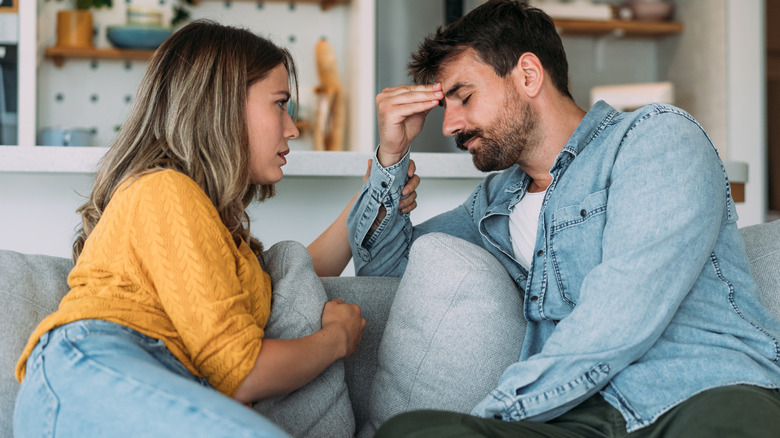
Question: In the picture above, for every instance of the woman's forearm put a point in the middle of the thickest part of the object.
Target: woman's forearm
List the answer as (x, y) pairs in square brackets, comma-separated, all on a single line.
[(285, 365), (330, 252)]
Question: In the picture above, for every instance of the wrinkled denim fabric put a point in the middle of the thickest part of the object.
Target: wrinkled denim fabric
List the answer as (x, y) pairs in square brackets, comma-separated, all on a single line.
[(95, 378)]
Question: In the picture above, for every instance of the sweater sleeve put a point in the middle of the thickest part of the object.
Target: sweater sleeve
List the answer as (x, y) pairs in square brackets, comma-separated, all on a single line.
[(193, 264)]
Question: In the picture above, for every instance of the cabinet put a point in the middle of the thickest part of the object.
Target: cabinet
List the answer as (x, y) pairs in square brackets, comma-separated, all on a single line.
[(341, 21)]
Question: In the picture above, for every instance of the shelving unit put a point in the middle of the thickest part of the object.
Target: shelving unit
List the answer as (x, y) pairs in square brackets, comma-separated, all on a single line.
[(324, 4), (624, 28), (80, 160), (58, 54)]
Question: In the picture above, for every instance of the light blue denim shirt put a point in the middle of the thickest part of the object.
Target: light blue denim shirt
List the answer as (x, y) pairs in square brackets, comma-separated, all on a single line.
[(640, 288)]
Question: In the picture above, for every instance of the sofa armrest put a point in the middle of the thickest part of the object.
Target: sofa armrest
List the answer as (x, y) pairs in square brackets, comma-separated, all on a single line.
[(31, 287)]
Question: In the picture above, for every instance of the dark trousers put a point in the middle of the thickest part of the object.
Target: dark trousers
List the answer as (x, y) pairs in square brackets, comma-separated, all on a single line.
[(733, 411)]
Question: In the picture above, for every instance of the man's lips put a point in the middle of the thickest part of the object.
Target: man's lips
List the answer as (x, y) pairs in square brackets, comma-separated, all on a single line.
[(470, 142), (467, 140)]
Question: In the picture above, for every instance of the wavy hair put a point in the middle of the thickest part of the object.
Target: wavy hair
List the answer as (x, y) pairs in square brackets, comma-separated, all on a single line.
[(189, 115), (500, 31)]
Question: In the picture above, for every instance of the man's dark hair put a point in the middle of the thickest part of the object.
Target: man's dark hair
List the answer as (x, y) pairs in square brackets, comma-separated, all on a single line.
[(500, 31)]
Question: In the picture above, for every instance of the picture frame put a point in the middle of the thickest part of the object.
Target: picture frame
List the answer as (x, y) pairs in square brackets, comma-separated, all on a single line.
[(9, 6)]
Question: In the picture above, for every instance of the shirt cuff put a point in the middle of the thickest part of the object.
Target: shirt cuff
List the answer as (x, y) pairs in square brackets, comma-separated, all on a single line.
[(391, 179)]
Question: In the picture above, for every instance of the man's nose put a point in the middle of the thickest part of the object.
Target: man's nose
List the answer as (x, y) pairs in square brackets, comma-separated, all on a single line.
[(453, 121)]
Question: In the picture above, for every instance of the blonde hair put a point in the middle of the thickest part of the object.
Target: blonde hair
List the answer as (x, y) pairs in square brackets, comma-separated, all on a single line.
[(189, 115)]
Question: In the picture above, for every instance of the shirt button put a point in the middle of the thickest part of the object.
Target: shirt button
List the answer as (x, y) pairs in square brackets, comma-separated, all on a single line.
[(384, 184), (539, 253), (534, 298), (583, 212)]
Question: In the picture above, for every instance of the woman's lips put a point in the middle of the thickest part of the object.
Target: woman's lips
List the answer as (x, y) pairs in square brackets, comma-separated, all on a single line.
[(282, 154)]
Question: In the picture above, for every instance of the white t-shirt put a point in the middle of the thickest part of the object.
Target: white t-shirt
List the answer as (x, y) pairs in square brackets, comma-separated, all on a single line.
[(523, 224)]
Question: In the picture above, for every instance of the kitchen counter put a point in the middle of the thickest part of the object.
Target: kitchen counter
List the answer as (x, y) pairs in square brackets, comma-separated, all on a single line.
[(84, 160), (300, 163)]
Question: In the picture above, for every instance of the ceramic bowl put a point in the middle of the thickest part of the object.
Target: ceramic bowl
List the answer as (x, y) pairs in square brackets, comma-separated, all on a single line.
[(137, 37), (651, 10)]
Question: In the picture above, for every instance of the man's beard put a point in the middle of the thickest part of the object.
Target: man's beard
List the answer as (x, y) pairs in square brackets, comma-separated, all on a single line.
[(507, 140)]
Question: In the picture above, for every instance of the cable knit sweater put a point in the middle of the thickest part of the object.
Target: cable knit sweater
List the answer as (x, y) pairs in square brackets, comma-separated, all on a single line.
[(160, 261)]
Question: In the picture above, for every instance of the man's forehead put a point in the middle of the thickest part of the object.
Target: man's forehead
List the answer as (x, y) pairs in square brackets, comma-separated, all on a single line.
[(458, 70)]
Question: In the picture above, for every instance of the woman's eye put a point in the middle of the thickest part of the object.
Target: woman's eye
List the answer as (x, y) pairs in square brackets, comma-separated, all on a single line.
[(282, 104)]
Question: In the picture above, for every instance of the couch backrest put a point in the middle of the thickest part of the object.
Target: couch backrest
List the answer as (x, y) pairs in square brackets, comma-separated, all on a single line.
[(31, 287)]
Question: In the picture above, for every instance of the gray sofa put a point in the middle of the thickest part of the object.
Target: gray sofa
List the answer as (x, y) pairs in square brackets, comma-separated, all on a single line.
[(32, 285)]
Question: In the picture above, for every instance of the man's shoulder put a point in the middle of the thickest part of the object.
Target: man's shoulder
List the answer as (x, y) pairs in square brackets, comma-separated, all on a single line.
[(657, 112)]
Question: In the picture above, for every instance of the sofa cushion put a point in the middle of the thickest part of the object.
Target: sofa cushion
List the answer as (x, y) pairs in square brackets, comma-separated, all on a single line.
[(445, 343), (31, 287), (321, 408), (763, 250)]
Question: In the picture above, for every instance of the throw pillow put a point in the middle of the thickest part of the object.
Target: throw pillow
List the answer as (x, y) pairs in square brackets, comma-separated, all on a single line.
[(321, 408), (456, 323)]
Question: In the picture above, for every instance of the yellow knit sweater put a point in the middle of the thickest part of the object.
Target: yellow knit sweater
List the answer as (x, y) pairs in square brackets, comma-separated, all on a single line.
[(161, 261)]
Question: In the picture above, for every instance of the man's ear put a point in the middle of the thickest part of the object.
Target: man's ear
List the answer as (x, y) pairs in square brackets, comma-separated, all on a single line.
[(528, 75)]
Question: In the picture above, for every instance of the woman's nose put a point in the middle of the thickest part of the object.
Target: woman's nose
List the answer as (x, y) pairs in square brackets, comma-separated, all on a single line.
[(291, 130)]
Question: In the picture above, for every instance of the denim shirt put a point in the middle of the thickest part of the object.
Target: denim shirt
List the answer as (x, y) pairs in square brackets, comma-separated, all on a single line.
[(639, 289)]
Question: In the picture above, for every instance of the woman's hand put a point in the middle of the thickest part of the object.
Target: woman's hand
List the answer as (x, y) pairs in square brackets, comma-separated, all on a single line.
[(408, 200), (344, 319), (284, 365)]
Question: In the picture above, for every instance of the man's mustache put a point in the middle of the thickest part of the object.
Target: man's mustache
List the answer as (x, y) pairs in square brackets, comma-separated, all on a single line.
[(462, 137)]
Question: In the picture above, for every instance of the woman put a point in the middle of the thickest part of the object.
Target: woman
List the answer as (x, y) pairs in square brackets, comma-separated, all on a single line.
[(168, 301)]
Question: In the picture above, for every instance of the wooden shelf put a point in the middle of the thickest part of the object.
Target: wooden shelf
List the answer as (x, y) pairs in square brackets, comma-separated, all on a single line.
[(58, 54), (623, 28), (324, 4)]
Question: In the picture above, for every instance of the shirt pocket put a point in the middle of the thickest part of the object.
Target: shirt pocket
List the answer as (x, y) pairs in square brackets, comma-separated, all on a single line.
[(575, 243)]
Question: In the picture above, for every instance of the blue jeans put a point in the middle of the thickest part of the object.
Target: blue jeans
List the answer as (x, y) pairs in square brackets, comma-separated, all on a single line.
[(97, 378)]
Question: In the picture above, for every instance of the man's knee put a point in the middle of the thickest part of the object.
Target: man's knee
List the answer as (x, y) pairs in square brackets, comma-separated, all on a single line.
[(732, 411), (425, 423)]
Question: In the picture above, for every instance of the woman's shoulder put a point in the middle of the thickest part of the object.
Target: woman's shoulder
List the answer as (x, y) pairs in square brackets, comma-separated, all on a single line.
[(162, 187), (158, 182), (159, 179)]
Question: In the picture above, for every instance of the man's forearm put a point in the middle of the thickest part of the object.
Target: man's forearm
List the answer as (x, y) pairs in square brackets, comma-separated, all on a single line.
[(380, 216)]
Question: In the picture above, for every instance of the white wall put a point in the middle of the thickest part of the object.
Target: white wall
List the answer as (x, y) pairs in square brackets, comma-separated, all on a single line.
[(37, 211), (746, 102)]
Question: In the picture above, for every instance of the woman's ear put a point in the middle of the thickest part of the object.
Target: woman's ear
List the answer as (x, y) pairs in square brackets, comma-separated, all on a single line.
[(528, 75)]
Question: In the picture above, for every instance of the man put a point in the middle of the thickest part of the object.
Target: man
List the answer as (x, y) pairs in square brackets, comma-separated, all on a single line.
[(618, 228)]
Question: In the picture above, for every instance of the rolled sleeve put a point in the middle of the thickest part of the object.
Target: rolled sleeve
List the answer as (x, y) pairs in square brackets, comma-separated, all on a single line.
[(383, 251)]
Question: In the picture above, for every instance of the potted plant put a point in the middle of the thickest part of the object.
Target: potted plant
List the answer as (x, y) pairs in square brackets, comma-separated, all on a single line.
[(74, 26)]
